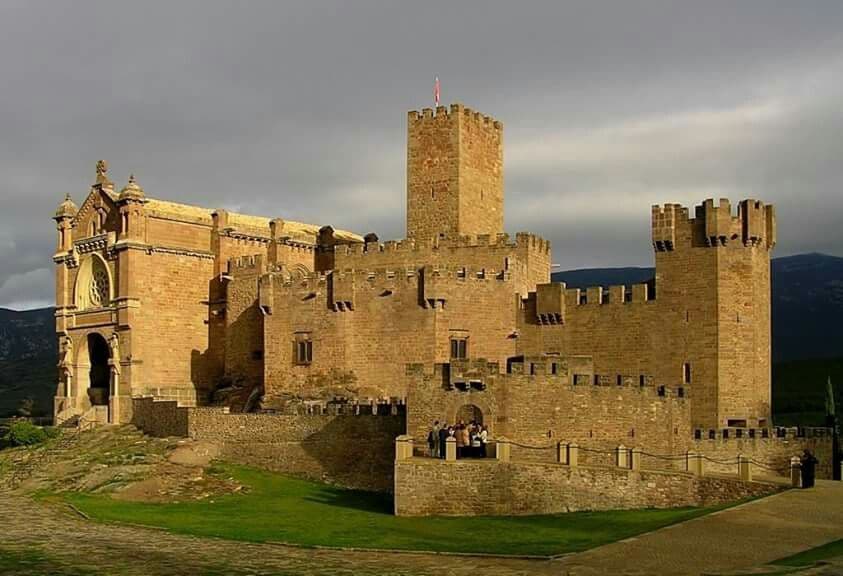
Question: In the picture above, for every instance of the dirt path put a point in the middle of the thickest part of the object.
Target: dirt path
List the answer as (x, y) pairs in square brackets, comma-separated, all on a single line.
[(130, 550)]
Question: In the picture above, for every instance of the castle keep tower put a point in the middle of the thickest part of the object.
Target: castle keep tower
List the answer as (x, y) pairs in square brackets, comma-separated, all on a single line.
[(454, 173), (713, 276)]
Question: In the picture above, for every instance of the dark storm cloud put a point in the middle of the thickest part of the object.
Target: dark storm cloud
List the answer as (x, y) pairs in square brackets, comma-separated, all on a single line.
[(298, 110)]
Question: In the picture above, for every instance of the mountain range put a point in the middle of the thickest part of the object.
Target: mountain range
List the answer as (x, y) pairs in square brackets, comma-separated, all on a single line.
[(807, 316)]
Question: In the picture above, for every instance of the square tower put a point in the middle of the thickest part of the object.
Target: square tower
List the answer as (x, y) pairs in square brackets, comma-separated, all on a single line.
[(454, 173)]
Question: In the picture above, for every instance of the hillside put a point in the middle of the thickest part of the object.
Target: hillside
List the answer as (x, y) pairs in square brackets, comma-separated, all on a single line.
[(28, 351)]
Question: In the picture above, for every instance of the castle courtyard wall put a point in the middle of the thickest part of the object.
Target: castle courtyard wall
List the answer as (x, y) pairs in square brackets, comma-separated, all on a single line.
[(350, 450), (537, 411)]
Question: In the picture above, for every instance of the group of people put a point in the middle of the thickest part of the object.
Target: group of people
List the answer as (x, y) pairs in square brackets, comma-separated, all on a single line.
[(471, 439)]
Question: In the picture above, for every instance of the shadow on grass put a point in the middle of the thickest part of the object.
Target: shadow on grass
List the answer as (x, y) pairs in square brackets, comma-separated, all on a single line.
[(353, 500)]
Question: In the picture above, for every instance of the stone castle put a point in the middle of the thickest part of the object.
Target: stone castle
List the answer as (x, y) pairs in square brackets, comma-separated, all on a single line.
[(205, 307)]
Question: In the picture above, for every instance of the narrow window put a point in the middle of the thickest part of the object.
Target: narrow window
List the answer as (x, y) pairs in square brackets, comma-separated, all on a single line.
[(620, 380), (93, 231), (554, 368), (459, 348), (686, 373), (304, 351), (596, 380), (642, 381)]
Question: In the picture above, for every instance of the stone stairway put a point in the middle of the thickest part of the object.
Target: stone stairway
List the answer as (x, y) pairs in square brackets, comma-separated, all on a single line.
[(32, 459)]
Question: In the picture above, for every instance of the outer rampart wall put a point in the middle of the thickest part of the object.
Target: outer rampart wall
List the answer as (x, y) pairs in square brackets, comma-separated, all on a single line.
[(355, 451), (772, 452), (425, 486)]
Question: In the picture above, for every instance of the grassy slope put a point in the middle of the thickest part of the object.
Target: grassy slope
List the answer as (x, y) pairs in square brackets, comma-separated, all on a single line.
[(278, 508)]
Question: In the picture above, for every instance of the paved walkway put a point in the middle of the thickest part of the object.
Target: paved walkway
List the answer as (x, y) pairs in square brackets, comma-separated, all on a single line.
[(738, 539), (733, 540)]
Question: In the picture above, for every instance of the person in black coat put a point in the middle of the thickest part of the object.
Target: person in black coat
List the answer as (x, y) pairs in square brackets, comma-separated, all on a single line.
[(443, 436), (809, 465)]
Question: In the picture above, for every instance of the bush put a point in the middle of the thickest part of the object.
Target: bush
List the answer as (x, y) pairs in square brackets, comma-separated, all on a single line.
[(25, 433)]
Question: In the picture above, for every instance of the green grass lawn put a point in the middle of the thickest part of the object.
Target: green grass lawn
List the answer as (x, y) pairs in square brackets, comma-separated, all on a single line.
[(809, 557), (277, 508)]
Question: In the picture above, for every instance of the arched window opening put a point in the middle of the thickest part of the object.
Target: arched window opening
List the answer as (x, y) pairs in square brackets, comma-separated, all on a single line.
[(93, 284)]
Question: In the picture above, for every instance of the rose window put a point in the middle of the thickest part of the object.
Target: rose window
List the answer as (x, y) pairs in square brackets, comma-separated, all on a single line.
[(98, 294)]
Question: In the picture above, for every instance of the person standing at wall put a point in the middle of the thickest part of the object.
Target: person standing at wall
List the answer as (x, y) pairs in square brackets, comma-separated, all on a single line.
[(435, 448), (809, 465), (443, 437)]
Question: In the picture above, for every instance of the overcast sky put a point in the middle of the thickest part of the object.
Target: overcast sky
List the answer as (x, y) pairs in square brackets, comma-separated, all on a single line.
[(299, 111)]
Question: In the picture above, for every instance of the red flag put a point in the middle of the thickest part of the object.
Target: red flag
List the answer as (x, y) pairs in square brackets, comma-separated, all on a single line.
[(436, 91)]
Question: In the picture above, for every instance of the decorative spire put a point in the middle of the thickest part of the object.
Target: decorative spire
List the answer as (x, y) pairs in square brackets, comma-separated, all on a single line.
[(132, 191), (67, 209), (102, 174)]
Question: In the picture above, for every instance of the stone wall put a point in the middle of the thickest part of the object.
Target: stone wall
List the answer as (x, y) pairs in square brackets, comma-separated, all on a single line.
[(364, 327), (354, 451), (488, 487), (160, 418), (773, 452), (537, 410)]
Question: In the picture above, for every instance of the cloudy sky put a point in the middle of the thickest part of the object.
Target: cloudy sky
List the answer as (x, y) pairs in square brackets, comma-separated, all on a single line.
[(298, 110)]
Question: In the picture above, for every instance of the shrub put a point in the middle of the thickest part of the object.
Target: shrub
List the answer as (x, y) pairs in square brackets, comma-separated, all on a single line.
[(25, 433)]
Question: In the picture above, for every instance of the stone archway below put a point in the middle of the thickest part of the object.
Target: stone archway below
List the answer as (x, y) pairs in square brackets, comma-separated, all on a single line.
[(469, 413)]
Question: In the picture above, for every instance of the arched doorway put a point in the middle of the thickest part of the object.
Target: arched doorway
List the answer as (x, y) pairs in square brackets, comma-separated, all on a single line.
[(469, 413), (100, 372)]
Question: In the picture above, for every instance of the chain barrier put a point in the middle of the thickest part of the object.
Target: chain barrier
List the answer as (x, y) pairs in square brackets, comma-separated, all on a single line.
[(528, 447), (723, 462), (665, 457), (781, 471)]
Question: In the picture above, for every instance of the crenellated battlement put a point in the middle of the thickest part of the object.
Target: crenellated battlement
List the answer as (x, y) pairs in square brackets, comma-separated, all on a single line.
[(554, 300), (420, 246), (443, 114), (575, 372), (247, 265), (714, 224), (341, 288)]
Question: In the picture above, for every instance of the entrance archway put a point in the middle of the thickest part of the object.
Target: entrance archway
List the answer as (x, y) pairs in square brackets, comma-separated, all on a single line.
[(100, 372), (469, 413)]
